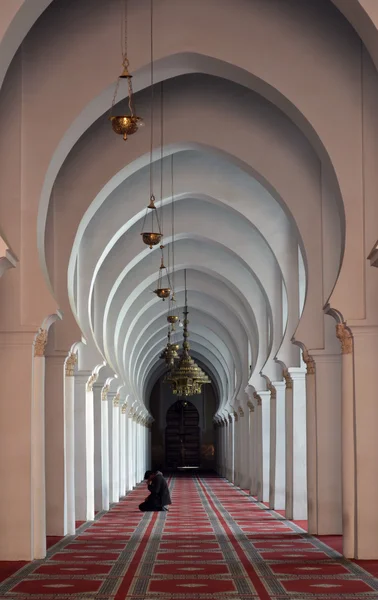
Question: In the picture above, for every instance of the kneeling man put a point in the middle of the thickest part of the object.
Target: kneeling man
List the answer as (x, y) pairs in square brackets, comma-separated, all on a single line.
[(159, 497)]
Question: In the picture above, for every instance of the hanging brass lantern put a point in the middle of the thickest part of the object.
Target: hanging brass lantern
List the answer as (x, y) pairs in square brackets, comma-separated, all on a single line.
[(125, 124), (162, 293), (151, 238)]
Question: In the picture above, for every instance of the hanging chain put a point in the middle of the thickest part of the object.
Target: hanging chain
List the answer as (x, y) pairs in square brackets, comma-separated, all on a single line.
[(125, 60), (152, 95), (124, 36), (173, 226), (161, 152)]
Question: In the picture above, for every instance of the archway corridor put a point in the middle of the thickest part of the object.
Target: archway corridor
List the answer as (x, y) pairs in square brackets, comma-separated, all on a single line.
[(215, 542), (198, 295)]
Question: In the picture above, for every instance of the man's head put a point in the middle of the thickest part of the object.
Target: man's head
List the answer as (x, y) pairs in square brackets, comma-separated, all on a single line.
[(147, 475)]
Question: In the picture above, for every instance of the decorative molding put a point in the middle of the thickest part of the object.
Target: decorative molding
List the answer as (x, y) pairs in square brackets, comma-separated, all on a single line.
[(273, 391), (288, 379), (124, 408), (104, 393), (236, 416), (345, 337), (91, 381), (40, 343), (131, 413), (250, 406), (70, 364), (257, 398), (116, 400), (241, 411), (310, 363)]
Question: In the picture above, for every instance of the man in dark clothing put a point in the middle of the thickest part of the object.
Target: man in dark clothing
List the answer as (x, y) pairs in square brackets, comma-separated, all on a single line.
[(159, 497)]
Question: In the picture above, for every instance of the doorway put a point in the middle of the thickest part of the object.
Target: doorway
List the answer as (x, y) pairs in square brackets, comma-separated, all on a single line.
[(182, 436)]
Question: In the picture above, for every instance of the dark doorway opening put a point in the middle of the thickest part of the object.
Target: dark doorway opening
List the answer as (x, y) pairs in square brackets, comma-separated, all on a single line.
[(182, 436)]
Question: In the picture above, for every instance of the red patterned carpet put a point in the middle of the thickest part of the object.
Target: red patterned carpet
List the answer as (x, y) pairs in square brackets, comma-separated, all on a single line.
[(215, 543)]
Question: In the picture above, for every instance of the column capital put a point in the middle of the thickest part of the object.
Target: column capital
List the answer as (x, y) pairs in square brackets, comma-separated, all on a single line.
[(251, 408), (104, 393), (288, 379), (344, 334), (116, 400), (70, 364), (40, 342), (272, 390), (91, 381), (257, 398), (241, 411), (124, 408), (310, 362)]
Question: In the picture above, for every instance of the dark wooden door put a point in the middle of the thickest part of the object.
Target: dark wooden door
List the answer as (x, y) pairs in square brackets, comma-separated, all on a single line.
[(182, 436)]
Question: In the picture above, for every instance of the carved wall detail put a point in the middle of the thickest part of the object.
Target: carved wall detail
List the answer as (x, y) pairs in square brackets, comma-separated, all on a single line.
[(91, 381), (70, 364), (104, 392), (310, 363), (345, 337), (288, 379), (40, 343)]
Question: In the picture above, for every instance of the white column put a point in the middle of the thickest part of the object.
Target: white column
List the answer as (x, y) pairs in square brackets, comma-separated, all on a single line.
[(149, 445), (244, 449), (84, 449), (265, 437), (38, 478), (277, 498), (237, 441), (129, 451), (299, 459), (349, 476), (359, 440), (122, 451), (101, 447), (223, 448), (22, 465), (259, 448), (252, 450), (231, 448), (272, 462), (55, 435), (132, 451), (137, 450), (113, 407), (288, 445), (69, 409)]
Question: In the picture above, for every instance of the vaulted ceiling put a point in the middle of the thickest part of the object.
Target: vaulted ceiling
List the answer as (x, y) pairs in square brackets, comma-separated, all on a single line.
[(259, 183)]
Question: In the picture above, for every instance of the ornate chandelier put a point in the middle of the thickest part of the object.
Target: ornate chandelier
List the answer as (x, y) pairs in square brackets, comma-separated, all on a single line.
[(186, 378), (125, 124)]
